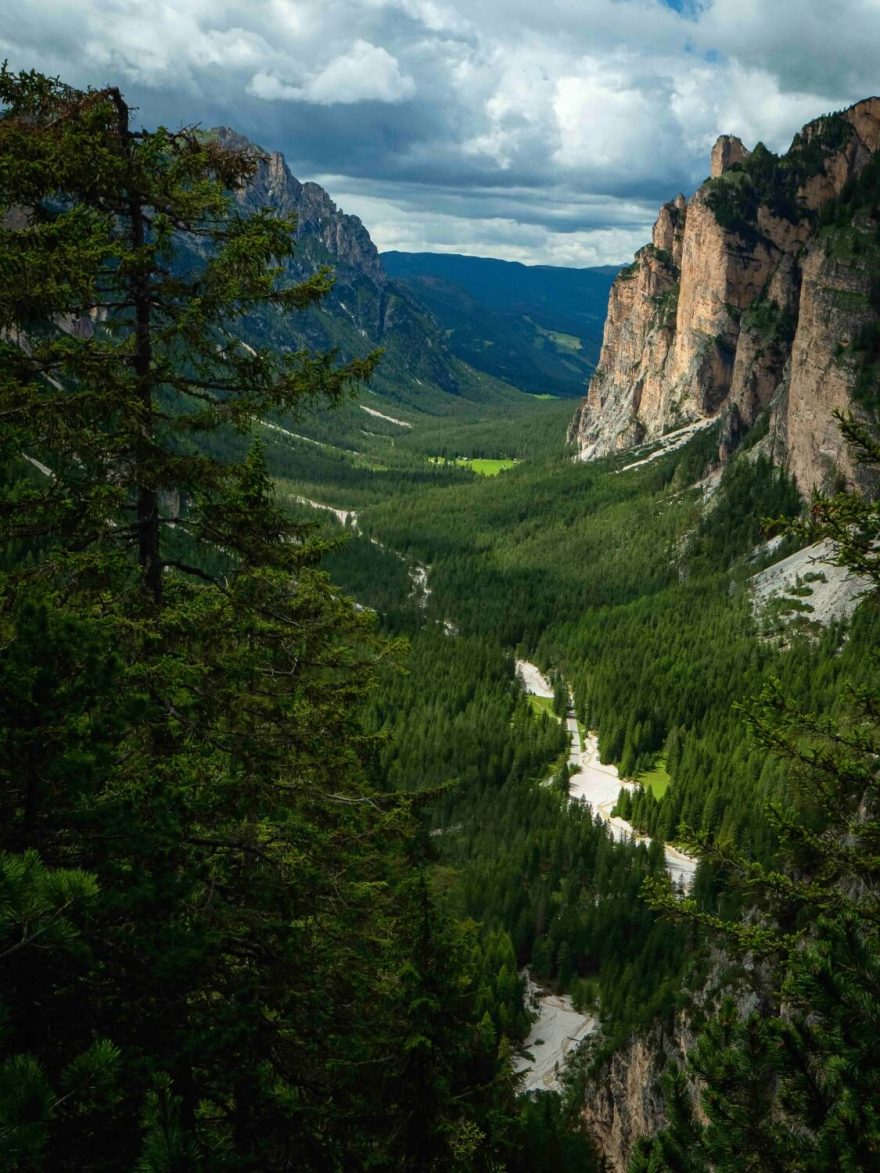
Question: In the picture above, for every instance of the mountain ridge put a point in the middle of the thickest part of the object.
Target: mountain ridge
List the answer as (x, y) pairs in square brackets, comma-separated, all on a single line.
[(539, 326), (366, 309)]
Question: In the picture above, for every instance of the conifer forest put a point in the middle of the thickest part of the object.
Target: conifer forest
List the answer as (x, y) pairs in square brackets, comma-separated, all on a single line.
[(317, 628)]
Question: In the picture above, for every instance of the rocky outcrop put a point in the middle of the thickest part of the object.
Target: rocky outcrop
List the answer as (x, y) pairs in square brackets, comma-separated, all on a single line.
[(624, 1098), (728, 150), (342, 235), (758, 294), (626, 1102), (668, 235)]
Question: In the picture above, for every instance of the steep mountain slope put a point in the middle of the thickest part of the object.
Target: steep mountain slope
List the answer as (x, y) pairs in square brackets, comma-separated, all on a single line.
[(365, 310), (759, 294), (537, 326)]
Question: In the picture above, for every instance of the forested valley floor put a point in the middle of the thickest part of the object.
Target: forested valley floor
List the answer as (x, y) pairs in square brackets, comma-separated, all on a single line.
[(632, 588)]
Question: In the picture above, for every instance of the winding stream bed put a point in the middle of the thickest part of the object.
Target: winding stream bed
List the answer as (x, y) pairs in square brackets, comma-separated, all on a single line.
[(557, 1030), (600, 784), (559, 1027)]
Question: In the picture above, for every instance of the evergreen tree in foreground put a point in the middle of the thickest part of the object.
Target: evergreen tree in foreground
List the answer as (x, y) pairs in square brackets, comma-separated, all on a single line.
[(794, 1084), (205, 945)]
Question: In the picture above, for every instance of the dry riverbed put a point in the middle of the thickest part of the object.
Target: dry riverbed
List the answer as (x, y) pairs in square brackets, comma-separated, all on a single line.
[(557, 1030), (558, 1027), (600, 784)]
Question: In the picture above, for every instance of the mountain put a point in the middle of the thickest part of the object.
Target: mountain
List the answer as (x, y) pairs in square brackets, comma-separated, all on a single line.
[(365, 309), (756, 301), (536, 326)]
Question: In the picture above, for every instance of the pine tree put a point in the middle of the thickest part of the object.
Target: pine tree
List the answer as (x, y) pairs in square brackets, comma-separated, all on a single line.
[(179, 682)]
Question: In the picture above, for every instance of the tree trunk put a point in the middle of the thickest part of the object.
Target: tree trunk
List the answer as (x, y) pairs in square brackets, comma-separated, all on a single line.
[(149, 554)]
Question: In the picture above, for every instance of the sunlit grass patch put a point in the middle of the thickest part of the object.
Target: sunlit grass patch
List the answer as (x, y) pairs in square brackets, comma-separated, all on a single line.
[(488, 468), (483, 466), (542, 704), (656, 780)]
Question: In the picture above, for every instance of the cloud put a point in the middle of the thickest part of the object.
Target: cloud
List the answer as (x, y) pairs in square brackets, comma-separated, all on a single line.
[(394, 227), (537, 226), (366, 73), (606, 122), (556, 122)]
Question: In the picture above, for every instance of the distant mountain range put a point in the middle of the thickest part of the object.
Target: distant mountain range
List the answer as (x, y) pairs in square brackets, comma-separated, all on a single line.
[(365, 310), (538, 327)]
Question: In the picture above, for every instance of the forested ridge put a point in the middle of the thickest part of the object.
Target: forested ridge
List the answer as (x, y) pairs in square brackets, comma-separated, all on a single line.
[(281, 829)]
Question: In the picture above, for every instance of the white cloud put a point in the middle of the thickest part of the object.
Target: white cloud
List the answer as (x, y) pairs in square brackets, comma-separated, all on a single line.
[(618, 98), (743, 101), (417, 221), (231, 48), (605, 121), (366, 73), (805, 46), (271, 89)]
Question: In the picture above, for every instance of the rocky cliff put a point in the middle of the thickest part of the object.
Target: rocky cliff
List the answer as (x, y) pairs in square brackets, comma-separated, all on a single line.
[(757, 298), (625, 1101)]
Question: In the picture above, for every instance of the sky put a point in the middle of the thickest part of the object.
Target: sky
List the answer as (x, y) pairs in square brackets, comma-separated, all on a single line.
[(543, 131)]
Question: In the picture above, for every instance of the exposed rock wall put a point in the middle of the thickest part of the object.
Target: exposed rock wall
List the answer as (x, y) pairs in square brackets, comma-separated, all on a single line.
[(624, 1100), (759, 292), (627, 1102), (342, 235), (727, 150)]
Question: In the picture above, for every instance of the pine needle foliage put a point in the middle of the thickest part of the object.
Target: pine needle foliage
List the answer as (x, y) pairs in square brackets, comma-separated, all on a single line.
[(203, 902)]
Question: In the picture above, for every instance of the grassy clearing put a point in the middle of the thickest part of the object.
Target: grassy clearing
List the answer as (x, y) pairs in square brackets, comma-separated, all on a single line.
[(560, 340), (542, 704), (656, 780), (483, 466), (565, 341), (488, 468)]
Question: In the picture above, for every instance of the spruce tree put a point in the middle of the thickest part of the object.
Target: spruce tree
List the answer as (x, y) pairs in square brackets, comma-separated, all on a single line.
[(180, 681)]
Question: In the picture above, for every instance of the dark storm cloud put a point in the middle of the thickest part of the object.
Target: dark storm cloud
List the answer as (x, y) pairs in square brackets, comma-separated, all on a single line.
[(548, 132)]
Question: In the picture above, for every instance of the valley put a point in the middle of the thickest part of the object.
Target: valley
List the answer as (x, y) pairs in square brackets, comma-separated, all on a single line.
[(405, 766), (638, 566), (639, 592)]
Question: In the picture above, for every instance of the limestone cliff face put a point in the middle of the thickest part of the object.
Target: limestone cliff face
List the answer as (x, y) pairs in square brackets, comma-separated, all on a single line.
[(755, 294), (624, 1099), (727, 150), (825, 367), (626, 1102)]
